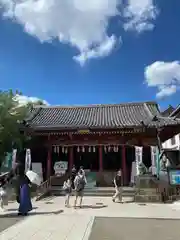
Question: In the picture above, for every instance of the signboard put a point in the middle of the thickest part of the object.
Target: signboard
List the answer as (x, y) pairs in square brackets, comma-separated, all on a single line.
[(37, 168), (83, 131), (174, 176), (60, 167)]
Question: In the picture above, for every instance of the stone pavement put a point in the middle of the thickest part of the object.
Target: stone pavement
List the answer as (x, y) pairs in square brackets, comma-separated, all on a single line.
[(137, 229), (50, 220)]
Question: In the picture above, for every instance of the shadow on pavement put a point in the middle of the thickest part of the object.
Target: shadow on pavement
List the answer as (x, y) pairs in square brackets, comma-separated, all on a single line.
[(15, 215), (94, 206), (15, 209)]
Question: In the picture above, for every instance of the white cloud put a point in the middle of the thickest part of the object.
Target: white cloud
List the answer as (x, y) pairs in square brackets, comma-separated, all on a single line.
[(139, 15), (165, 76), (23, 100), (83, 24), (104, 49)]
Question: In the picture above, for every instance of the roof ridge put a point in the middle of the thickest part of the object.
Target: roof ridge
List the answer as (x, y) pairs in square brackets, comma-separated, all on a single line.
[(148, 110), (97, 105), (33, 114), (175, 110)]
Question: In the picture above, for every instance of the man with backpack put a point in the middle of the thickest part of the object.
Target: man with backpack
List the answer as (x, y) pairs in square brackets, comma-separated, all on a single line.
[(79, 184)]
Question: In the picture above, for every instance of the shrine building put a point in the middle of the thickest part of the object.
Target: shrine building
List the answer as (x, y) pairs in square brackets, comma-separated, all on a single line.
[(101, 138)]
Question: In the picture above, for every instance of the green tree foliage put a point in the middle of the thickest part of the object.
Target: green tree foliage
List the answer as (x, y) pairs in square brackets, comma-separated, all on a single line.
[(11, 114)]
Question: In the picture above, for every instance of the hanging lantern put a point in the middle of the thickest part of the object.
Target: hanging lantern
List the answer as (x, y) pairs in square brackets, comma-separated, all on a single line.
[(66, 150), (109, 148), (57, 149), (117, 149), (105, 149), (78, 149), (89, 150), (62, 149), (94, 149), (83, 149), (54, 149)]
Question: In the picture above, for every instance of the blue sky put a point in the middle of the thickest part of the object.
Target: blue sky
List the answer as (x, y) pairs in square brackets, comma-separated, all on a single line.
[(141, 50)]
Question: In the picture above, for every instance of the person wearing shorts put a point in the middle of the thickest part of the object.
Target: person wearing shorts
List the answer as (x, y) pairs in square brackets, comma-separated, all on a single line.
[(79, 183)]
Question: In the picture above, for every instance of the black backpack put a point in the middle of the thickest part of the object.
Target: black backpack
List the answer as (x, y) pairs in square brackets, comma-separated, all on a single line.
[(81, 184)]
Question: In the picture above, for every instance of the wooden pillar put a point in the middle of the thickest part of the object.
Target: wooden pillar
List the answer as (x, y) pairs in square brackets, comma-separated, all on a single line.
[(124, 167), (100, 158), (49, 160), (71, 158)]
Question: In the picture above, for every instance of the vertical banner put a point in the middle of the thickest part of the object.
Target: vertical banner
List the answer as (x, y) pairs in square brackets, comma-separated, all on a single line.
[(158, 162), (154, 154), (28, 160), (133, 172), (138, 154), (14, 153)]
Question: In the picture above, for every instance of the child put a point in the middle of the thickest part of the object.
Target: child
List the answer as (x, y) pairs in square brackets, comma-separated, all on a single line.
[(68, 189)]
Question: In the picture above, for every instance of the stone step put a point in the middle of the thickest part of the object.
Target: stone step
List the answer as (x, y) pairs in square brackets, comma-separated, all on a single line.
[(147, 198), (127, 192)]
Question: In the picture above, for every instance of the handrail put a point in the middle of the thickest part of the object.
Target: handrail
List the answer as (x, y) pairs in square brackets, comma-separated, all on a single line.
[(44, 188)]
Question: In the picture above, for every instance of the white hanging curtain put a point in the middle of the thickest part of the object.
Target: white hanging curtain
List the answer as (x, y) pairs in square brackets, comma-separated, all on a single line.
[(54, 149), (78, 149), (62, 149), (66, 150), (89, 149), (154, 153), (14, 153), (57, 149), (138, 155)]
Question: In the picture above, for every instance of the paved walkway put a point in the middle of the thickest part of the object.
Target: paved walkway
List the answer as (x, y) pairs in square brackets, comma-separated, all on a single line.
[(138, 229), (50, 220)]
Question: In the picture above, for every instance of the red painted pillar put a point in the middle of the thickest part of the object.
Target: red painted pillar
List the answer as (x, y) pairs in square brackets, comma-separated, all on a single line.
[(49, 160), (100, 158), (71, 158), (124, 168)]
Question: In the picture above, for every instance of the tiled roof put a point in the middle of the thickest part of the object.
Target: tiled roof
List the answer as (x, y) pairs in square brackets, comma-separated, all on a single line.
[(98, 116), (167, 111)]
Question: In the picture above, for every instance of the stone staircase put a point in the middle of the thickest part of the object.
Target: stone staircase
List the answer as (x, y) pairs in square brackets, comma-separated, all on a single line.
[(95, 191)]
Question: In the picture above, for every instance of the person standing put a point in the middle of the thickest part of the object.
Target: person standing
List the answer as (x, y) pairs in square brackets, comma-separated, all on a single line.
[(79, 183), (68, 190), (73, 175), (118, 187), (23, 193), (82, 170)]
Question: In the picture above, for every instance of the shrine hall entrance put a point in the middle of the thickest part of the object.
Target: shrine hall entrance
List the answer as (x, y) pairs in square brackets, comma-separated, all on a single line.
[(87, 157), (112, 158)]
